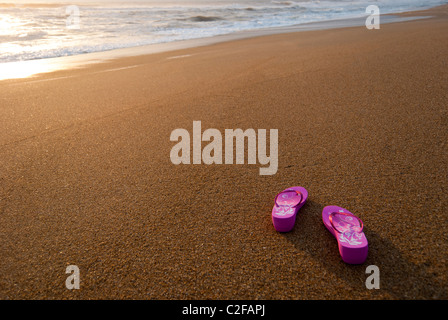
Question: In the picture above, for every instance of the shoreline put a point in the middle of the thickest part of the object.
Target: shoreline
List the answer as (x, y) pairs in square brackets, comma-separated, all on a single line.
[(35, 68)]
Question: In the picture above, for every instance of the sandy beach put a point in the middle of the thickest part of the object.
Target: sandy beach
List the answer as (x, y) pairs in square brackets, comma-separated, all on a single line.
[(86, 177)]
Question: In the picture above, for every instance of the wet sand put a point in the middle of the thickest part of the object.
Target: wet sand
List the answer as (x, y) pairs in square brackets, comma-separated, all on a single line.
[(86, 177)]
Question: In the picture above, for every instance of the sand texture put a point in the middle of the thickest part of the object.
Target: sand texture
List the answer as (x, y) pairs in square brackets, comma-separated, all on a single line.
[(362, 115)]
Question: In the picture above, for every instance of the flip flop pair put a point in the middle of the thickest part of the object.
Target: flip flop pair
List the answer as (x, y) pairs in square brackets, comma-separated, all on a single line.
[(343, 225)]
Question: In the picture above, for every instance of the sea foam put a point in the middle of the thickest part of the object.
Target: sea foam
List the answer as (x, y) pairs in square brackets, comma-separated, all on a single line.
[(36, 32)]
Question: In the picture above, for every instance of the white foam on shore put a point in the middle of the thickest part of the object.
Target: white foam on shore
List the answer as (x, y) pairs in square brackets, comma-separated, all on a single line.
[(179, 57), (34, 67), (40, 32)]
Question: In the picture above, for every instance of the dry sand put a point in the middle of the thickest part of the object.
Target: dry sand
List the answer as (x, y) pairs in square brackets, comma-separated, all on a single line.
[(86, 177)]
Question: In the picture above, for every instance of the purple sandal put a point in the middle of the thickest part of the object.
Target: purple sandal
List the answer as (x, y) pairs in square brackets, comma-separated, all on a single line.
[(287, 204), (347, 229)]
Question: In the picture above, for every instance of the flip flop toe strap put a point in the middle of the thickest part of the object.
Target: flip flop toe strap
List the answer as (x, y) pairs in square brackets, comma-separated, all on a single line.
[(289, 191), (357, 229)]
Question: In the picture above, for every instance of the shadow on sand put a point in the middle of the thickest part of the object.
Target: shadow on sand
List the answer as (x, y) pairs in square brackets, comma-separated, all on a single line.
[(400, 278)]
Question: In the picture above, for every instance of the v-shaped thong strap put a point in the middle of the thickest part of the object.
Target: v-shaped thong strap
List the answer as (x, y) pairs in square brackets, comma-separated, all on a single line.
[(289, 191), (346, 222)]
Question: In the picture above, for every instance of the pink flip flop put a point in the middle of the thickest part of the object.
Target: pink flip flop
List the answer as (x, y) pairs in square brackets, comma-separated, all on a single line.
[(347, 229), (287, 204)]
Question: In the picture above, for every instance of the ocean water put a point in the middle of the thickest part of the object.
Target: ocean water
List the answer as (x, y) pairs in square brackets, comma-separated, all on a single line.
[(37, 31)]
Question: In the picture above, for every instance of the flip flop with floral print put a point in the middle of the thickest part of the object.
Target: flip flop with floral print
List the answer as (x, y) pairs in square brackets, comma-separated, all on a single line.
[(347, 229), (286, 205)]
